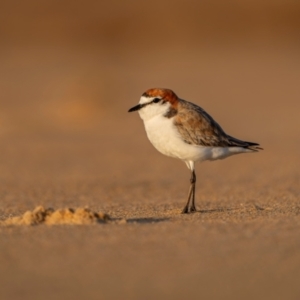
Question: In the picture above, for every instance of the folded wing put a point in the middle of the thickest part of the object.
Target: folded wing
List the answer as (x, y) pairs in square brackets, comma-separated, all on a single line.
[(197, 127)]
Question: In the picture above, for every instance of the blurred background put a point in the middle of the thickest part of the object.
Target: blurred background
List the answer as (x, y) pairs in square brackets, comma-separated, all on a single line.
[(74, 66), (69, 72)]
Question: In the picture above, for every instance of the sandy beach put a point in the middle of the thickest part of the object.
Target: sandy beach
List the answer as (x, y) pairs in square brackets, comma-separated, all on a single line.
[(67, 141)]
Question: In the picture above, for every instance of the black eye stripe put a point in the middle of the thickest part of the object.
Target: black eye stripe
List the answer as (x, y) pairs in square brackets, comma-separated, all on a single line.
[(156, 100)]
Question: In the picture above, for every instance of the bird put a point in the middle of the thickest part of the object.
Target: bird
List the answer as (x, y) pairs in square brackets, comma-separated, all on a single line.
[(183, 130)]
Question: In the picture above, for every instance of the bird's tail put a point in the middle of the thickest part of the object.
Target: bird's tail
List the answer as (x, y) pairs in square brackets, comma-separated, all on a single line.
[(247, 145)]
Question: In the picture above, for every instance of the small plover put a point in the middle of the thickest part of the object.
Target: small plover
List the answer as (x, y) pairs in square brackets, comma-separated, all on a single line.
[(183, 130)]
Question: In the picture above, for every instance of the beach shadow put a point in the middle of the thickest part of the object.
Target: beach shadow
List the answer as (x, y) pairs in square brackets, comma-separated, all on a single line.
[(147, 220)]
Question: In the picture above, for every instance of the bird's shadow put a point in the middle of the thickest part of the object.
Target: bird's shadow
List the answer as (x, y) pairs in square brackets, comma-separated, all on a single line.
[(152, 220), (147, 220), (143, 220)]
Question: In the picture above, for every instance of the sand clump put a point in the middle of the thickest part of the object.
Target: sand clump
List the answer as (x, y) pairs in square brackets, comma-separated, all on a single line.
[(50, 216)]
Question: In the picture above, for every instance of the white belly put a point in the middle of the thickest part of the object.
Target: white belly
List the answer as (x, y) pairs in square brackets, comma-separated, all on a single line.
[(166, 139), (164, 136)]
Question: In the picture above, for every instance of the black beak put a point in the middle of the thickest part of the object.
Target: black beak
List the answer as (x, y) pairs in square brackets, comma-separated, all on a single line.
[(137, 107)]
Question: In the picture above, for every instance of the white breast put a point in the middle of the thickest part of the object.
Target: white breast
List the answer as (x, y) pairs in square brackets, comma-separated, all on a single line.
[(164, 136)]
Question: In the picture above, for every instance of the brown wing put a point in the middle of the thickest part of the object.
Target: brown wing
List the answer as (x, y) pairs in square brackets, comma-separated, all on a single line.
[(197, 127)]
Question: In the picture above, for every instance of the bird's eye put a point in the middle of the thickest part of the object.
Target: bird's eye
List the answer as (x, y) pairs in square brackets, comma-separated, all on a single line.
[(156, 100)]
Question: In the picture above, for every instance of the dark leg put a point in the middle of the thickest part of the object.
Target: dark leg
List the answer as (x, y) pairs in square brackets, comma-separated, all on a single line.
[(186, 208), (191, 196), (193, 206)]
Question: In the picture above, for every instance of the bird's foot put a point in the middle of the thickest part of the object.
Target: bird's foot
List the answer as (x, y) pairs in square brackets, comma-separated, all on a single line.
[(188, 210), (193, 209), (185, 210)]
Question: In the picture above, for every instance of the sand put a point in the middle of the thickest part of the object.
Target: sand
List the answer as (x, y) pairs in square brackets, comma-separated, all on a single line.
[(242, 244), (50, 216)]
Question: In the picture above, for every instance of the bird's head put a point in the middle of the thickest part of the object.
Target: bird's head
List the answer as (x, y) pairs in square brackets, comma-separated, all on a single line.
[(155, 102)]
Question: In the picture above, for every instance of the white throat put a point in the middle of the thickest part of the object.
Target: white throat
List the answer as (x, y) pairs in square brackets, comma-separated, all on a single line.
[(151, 110)]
